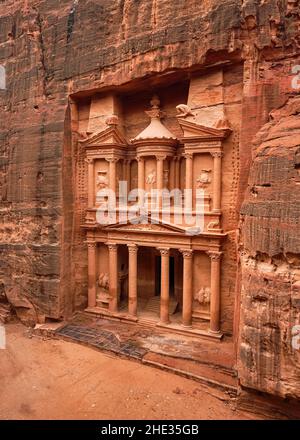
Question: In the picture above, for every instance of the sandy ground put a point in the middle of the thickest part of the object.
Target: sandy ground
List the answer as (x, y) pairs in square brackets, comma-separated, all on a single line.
[(52, 379)]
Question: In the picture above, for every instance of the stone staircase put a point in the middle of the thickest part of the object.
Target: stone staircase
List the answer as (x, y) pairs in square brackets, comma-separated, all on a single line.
[(153, 306), (149, 310)]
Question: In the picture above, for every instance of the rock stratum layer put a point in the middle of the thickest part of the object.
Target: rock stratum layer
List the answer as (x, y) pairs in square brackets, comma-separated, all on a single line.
[(52, 50)]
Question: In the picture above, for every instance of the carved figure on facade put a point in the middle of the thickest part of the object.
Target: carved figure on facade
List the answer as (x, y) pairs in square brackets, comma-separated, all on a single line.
[(203, 295), (112, 120), (204, 178), (183, 111), (151, 178), (103, 281), (166, 178), (102, 180)]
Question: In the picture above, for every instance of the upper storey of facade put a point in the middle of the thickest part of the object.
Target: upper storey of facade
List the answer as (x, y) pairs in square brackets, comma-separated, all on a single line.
[(177, 152)]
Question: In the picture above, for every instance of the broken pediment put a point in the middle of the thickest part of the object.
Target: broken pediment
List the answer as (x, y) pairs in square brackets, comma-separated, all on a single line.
[(195, 131), (110, 136)]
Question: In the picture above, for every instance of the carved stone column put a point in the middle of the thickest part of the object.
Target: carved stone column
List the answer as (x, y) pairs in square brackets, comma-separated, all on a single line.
[(188, 171), (141, 173), (91, 183), (113, 174), (172, 174), (160, 178), (217, 181), (127, 173), (132, 279), (113, 277), (187, 305), (160, 172), (165, 286), (92, 276), (141, 179), (215, 300), (177, 173)]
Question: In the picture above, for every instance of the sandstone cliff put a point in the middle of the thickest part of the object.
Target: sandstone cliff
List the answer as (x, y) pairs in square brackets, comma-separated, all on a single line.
[(54, 49)]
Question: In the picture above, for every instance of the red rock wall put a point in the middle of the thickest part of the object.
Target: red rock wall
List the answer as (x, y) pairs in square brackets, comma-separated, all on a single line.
[(52, 50), (270, 258)]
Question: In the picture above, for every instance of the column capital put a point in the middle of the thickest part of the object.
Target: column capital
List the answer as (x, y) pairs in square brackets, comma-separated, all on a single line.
[(217, 154), (112, 247), (160, 157), (132, 248), (214, 255), (140, 159), (187, 155), (187, 253), (91, 244), (112, 159), (90, 160), (164, 252)]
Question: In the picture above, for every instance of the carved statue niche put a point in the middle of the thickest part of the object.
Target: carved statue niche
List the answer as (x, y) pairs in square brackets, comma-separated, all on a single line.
[(151, 178), (203, 296), (204, 178), (102, 180)]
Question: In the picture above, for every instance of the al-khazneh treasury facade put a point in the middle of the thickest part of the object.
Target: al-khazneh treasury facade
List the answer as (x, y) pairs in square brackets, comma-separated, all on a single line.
[(156, 273), (72, 65)]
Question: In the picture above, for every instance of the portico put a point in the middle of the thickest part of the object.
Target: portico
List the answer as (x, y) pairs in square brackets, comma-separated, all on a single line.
[(130, 249)]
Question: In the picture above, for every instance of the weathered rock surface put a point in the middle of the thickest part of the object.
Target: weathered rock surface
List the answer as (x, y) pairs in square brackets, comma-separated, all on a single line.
[(271, 258), (53, 49)]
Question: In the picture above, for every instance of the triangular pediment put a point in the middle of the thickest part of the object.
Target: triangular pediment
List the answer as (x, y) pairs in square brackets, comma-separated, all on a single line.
[(110, 136), (197, 131), (145, 224)]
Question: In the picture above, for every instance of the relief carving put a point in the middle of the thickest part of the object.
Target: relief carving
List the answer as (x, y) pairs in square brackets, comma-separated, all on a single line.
[(103, 281), (215, 224), (204, 178), (102, 180), (151, 178), (166, 178), (203, 295), (183, 111), (112, 120)]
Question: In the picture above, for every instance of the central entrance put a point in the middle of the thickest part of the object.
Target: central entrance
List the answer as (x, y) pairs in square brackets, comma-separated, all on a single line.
[(149, 284), (149, 277)]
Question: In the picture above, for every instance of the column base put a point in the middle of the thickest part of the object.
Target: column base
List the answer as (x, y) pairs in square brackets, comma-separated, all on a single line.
[(187, 326), (213, 332), (162, 323)]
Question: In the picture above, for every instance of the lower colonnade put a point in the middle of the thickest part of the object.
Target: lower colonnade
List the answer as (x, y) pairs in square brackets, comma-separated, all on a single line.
[(187, 283)]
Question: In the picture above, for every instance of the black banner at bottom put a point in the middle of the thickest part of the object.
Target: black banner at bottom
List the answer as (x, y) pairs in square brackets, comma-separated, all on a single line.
[(130, 429)]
